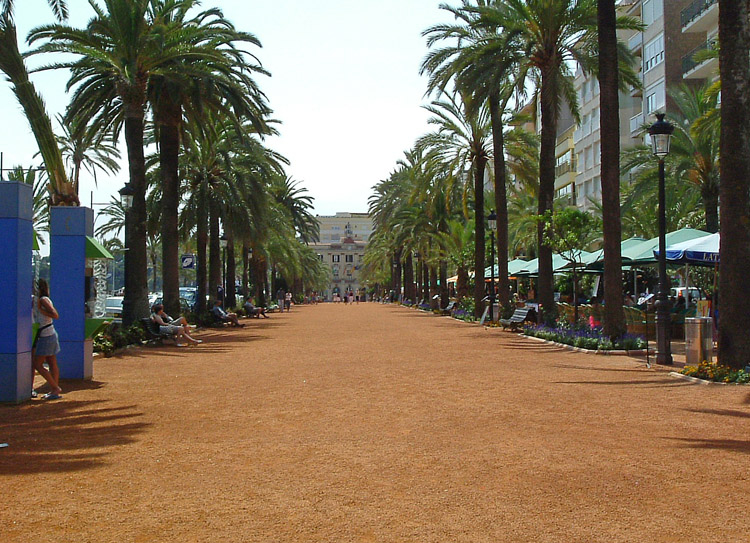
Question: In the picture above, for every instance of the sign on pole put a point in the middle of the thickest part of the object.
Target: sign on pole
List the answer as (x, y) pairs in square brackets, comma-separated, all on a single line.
[(187, 262)]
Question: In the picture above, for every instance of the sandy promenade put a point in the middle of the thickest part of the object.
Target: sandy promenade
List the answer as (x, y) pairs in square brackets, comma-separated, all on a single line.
[(376, 423)]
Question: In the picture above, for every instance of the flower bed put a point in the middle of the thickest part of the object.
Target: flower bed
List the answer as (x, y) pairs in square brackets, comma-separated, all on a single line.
[(586, 338), (712, 371)]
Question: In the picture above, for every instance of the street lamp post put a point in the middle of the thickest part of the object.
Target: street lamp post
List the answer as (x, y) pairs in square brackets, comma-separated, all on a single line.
[(492, 223), (661, 132), (223, 242)]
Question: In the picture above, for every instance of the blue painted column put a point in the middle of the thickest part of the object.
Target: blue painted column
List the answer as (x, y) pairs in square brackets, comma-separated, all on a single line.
[(69, 227), (16, 276)]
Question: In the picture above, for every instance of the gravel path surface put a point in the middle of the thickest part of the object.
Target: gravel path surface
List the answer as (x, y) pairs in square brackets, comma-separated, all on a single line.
[(376, 423)]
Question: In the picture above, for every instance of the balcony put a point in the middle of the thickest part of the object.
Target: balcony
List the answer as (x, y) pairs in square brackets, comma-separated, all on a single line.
[(692, 69), (700, 16), (565, 167), (635, 43), (636, 122)]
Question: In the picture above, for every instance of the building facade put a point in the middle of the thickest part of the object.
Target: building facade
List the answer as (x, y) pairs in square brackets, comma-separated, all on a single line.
[(343, 239), (674, 31)]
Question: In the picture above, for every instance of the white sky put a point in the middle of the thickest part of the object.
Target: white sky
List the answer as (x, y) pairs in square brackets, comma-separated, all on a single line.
[(344, 83)]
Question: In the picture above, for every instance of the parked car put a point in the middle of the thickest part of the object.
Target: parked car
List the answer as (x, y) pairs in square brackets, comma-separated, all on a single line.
[(689, 293), (113, 307), (190, 295)]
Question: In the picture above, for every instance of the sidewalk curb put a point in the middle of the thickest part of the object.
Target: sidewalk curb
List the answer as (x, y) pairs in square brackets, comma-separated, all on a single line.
[(699, 381)]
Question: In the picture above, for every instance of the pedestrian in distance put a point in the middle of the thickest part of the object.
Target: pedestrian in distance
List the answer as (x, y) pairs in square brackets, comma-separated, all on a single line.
[(280, 296), (288, 301), (46, 344)]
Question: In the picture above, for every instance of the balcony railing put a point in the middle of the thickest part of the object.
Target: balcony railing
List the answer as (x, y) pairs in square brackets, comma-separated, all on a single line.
[(688, 62), (565, 167), (636, 121), (693, 11)]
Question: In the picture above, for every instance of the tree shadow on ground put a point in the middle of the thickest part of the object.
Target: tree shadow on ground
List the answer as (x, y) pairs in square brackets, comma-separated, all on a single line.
[(662, 383), (63, 436), (721, 412), (594, 368), (732, 445)]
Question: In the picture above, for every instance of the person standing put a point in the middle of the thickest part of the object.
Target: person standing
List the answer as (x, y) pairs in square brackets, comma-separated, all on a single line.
[(46, 344), (288, 301), (280, 299)]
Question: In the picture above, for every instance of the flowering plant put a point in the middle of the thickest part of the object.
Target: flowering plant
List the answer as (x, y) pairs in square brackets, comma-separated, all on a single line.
[(713, 371)]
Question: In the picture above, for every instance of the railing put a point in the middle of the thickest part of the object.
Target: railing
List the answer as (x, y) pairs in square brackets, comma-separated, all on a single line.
[(689, 63), (636, 121), (565, 167), (693, 11), (635, 41)]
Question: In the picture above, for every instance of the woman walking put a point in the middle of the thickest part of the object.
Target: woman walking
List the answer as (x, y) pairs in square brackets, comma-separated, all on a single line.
[(46, 345)]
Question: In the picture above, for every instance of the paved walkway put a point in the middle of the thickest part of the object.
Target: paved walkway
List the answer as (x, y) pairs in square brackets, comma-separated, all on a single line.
[(376, 423)]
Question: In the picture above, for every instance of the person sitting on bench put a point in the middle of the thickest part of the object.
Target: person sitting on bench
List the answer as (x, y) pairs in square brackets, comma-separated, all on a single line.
[(223, 316), (252, 311), (178, 327)]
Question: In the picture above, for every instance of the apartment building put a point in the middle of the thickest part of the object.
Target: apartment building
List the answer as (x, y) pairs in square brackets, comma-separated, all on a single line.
[(664, 50), (343, 239), (700, 19)]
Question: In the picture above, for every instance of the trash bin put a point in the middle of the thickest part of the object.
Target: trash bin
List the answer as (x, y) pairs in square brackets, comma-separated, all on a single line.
[(698, 340)]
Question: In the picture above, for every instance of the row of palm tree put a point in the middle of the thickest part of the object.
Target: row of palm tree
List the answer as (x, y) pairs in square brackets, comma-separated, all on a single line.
[(483, 62), (163, 72)]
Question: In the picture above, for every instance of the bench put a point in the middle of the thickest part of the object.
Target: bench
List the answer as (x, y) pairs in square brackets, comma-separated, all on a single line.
[(448, 310), (152, 331), (519, 316)]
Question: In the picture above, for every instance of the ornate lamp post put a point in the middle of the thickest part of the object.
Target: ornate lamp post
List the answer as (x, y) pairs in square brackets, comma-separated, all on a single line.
[(492, 223), (223, 242), (661, 133)]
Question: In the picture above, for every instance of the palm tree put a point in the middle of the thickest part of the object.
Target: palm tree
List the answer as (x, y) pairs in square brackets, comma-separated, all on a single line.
[(486, 61), (84, 148), (215, 76), (693, 159), (122, 47), (734, 35), (13, 66), (556, 34), (461, 146)]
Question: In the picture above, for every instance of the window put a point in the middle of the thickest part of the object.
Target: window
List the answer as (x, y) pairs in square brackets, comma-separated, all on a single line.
[(335, 258), (652, 10), (349, 258), (597, 185), (597, 152), (654, 52), (349, 271), (655, 97), (320, 257), (335, 271), (579, 162), (586, 126), (588, 158)]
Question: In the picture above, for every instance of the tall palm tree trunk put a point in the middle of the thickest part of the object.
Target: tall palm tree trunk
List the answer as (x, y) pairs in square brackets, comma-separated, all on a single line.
[(409, 278), (433, 287), (201, 275), (734, 35), (231, 300), (245, 270), (169, 148), (711, 209), (547, 142), (135, 302), (444, 294), (214, 263), (479, 236), (614, 316), (501, 200), (397, 275), (425, 283)]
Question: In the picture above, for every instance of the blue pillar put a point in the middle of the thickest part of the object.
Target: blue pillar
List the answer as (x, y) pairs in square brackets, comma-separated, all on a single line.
[(16, 276), (69, 227)]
